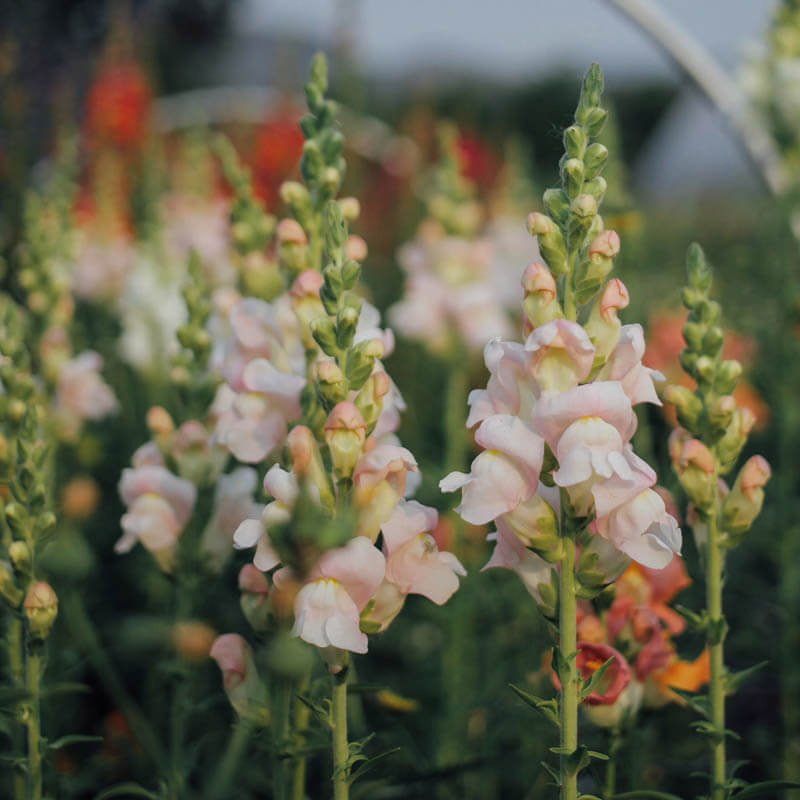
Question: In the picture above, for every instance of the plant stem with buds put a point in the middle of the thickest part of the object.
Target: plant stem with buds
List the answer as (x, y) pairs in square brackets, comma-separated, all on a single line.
[(715, 561), (568, 645)]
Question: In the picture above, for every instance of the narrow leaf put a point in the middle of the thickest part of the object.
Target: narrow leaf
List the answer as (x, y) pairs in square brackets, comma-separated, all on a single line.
[(547, 708), (733, 680), (765, 789), (72, 738), (594, 679), (127, 790)]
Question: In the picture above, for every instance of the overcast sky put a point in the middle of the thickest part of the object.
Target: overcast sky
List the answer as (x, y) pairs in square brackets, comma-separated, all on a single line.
[(509, 38)]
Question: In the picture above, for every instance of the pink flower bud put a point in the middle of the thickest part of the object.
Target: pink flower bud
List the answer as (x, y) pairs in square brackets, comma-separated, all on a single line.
[(355, 248), (696, 453), (232, 653), (301, 448), (290, 231), (159, 422), (306, 284), (754, 475), (606, 244), (537, 278), (540, 224), (252, 580), (345, 432), (192, 639), (41, 608), (615, 297)]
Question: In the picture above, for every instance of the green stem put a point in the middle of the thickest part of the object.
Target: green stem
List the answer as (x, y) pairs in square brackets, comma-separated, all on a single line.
[(83, 630), (568, 645), (282, 733), (714, 569), (16, 664), (302, 714), (614, 747), (33, 664), (341, 749), (456, 439), (234, 752)]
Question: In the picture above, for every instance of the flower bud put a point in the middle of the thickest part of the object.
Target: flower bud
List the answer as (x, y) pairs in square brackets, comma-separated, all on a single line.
[(540, 304), (290, 232), (534, 523), (728, 373), (79, 498), (20, 554), (695, 470), (556, 202), (351, 208), (41, 609), (332, 384), (243, 686), (192, 640), (575, 141), (734, 438), (584, 207), (346, 322), (254, 597), (595, 159), (355, 248), (697, 268), (688, 405), (550, 240), (307, 462), (345, 432), (369, 400), (595, 120), (606, 244), (744, 502), (324, 335), (603, 325), (721, 413), (572, 172), (360, 361)]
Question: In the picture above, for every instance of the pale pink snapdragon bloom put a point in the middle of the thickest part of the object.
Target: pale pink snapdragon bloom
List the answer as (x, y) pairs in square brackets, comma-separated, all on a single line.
[(159, 506), (537, 396), (254, 532), (327, 608), (81, 393)]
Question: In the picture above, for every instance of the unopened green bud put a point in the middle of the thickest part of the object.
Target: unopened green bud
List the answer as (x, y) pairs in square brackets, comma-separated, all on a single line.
[(330, 180), (540, 304), (728, 373), (556, 202), (594, 160), (704, 368), (332, 384), (721, 413), (534, 523), (20, 555), (324, 334), (734, 438), (583, 207), (351, 272), (707, 311), (369, 400), (693, 334), (595, 120), (691, 297), (550, 240), (712, 341), (360, 360), (346, 322), (41, 609), (333, 280), (351, 208), (597, 188), (572, 174), (575, 141), (697, 268)]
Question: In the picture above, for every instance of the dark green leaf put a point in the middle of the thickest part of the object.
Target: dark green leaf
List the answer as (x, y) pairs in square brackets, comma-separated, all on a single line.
[(733, 680), (547, 707), (72, 738), (127, 790), (765, 789), (594, 679), (370, 763), (645, 794)]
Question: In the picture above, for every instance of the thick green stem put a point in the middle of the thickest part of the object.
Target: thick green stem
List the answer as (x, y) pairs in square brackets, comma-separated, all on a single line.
[(225, 772), (33, 664), (614, 746), (714, 569), (568, 645), (16, 666), (341, 749), (302, 715), (283, 729)]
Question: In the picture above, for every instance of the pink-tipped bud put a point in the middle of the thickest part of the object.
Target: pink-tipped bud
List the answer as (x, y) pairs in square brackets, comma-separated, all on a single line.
[(675, 444), (355, 248), (252, 580), (192, 639), (306, 284), (606, 244), (614, 298), (381, 384), (537, 279), (696, 453), (345, 432), (159, 422), (79, 498), (301, 448), (290, 231), (747, 419), (754, 475), (373, 348), (232, 654), (328, 372), (344, 416), (540, 224)]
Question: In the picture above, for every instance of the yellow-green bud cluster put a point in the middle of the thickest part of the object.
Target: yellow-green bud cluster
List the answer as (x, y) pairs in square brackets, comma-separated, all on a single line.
[(566, 233)]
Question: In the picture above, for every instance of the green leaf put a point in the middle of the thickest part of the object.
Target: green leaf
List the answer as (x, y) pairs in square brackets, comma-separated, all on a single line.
[(733, 680), (698, 622), (548, 708), (72, 738), (127, 790), (322, 713), (370, 763), (706, 728), (645, 794), (764, 789), (697, 702), (65, 688), (594, 679)]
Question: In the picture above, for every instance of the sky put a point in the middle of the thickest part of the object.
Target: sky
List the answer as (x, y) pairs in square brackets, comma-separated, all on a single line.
[(509, 39)]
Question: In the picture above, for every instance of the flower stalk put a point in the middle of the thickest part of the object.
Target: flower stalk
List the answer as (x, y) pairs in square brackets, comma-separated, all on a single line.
[(341, 748)]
